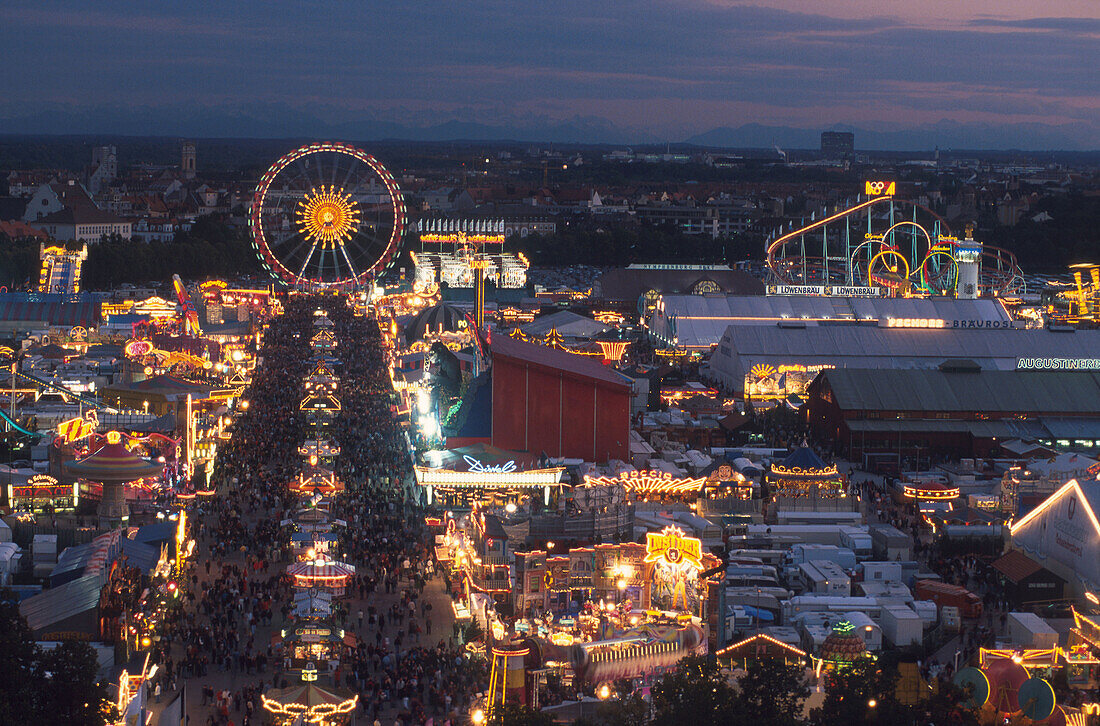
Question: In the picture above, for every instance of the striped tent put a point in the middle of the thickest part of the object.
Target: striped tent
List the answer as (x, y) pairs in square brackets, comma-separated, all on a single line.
[(113, 462), (436, 319), (321, 571)]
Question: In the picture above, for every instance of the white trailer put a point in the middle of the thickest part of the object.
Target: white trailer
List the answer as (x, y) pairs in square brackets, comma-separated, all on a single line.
[(901, 625), (1028, 630)]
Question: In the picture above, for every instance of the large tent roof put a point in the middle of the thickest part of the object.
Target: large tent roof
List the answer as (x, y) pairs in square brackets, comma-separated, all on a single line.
[(1072, 392)]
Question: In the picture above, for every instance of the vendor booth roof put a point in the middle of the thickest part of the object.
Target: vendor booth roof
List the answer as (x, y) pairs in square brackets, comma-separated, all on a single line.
[(165, 424), (140, 555), (63, 602), (306, 695), (71, 563), (156, 533), (1016, 566)]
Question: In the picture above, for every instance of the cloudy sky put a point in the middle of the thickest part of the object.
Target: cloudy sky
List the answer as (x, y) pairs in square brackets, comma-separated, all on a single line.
[(671, 68)]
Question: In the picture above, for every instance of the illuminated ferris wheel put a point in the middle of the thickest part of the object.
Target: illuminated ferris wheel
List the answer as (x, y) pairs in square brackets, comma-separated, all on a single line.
[(327, 215)]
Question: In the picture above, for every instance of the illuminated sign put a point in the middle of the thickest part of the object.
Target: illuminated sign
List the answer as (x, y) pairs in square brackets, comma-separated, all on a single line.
[(930, 492), (646, 482), (1058, 364), (42, 489), (672, 547), (561, 638), (426, 476), (953, 324), (855, 291), (827, 290), (796, 289), (913, 323), (477, 467), (138, 348), (880, 188), (76, 429)]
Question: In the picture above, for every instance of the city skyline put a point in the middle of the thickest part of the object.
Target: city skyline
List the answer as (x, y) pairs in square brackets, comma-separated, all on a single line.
[(622, 72)]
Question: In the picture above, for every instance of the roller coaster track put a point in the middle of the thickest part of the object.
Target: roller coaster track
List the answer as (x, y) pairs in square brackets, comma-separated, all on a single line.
[(774, 264), (1000, 273), (83, 400), (17, 427)]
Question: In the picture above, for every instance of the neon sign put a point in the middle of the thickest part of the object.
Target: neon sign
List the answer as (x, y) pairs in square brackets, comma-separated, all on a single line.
[(657, 482), (931, 492), (880, 188), (76, 429), (477, 467), (138, 348), (672, 547)]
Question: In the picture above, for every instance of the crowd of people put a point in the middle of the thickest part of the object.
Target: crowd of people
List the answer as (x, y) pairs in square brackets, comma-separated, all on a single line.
[(401, 667)]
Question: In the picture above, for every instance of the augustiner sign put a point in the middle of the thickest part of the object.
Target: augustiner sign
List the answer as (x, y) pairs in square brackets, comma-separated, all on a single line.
[(671, 546)]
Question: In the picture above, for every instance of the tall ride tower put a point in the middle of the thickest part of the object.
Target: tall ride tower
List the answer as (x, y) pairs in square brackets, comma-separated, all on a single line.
[(968, 254)]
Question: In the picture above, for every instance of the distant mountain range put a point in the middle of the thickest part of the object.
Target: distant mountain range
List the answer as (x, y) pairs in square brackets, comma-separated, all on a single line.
[(275, 121), (944, 134)]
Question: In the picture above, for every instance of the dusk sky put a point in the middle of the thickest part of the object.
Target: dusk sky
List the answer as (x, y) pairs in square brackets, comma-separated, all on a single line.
[(670, 69)]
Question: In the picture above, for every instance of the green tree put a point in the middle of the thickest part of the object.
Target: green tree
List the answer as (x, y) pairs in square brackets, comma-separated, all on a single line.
[(772, 693), (17, 667), (695, 694), (513, 714), (862, 693), (66, 685), (630, 711)]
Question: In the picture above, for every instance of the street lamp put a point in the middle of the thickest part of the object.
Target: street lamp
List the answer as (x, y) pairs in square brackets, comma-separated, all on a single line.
[(146, 405)]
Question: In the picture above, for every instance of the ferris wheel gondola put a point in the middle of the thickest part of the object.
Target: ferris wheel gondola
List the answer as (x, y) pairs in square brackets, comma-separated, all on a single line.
[(327, 215)]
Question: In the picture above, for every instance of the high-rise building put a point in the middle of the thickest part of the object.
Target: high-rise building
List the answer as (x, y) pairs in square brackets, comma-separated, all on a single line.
[(187, 159), (837, 144)]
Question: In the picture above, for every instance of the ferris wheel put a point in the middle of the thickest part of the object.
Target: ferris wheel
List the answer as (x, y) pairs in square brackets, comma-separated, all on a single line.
[(327, 215)]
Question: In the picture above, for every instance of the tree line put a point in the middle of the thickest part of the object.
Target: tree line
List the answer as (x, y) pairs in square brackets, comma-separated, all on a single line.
[(56, 687), (212, 248)]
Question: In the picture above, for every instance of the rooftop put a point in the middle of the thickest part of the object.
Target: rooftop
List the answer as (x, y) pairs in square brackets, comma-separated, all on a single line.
[(578, 365), (990, 391)]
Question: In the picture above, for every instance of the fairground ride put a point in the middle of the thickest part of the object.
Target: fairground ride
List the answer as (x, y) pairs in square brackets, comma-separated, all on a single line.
[(327, 216), (893, 244)]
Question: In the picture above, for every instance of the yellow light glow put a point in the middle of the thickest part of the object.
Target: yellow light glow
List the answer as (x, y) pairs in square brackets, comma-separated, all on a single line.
[(328, 216)]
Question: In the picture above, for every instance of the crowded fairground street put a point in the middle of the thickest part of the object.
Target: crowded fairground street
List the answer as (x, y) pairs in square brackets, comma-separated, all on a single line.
[(320, 571), (309, 442)]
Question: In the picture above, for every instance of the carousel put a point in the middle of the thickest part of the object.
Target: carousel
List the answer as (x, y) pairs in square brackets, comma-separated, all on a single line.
[(322, 572), (113, 465), (803, 480), (309, 703)]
